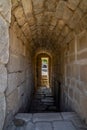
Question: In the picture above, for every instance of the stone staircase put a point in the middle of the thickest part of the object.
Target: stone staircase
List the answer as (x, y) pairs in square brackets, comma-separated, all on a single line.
[(43, 101)]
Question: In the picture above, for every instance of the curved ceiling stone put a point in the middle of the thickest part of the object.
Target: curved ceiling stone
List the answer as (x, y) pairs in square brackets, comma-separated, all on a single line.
[(47, 23)]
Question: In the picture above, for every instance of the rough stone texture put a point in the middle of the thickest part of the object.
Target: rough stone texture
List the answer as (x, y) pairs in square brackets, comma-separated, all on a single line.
[(46, 117), (19, 91), (30, 126), (2, 110), (69, 115), (19, 14), (24, 116), (43, 126), (5, 9), (4, 41), (74, 124), (5, 19), (3, 78), (63, 125)]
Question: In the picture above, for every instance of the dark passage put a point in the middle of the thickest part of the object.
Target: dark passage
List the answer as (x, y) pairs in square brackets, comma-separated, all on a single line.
[(43, 101)]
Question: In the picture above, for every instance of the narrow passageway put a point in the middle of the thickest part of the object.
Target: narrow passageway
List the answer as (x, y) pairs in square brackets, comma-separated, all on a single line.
[(43, 101), (43, 64)]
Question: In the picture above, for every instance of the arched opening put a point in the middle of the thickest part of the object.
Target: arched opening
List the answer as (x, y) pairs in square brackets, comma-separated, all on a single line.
[(43, 70)]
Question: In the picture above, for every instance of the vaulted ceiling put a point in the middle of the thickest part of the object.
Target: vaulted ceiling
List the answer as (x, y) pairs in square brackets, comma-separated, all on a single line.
[(48, 23)]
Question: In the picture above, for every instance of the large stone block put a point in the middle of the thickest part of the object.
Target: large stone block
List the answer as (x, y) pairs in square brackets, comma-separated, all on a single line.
[(60, 9), (82, 41), (14, 3), (63, 125), (19, 14), (43, 126), (82, 55), (75, 71), (73, 4), (83, 6), (75, 19), (16, 45), (67, 14), (12, 102), (83, 105), (4, 41), (3, 78), (14, 80), (65, 31), (16, 63), (50, 5), (26, 31), (28, 8), (5, 9), (46, 117), (2, 110), (83, 73)]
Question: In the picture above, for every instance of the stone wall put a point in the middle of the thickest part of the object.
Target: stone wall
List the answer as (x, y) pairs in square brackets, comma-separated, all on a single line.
[(5, 18), (73, 74), (19, 77), (16, 75)]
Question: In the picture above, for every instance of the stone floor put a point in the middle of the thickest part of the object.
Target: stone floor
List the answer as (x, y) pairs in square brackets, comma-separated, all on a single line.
[(44, 116), (48, 121)]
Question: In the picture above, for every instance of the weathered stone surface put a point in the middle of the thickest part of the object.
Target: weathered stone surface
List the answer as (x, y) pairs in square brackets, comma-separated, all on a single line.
[(43, 126), (14, 3), (14, 80), (28, 8), (46, 117), (2, 110), (79, 124), (3, 78), (65, 31), (16, 63), (67, 14), (5, 9), (30, 126), (12, 102), (69, 115), (74, 21), (83, 73), (19, 14), (24, 116), (73, 4), (83, 105), (19, 122), (82, 41), (83, 6), (62, 125), (60, 9), (50, 6), (26, 30), (4, 41)]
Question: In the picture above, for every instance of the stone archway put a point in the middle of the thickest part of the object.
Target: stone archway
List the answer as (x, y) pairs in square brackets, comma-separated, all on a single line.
[(38, 68)]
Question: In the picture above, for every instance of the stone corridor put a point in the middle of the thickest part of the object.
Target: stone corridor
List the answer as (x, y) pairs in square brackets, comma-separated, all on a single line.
[(33, 30)]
